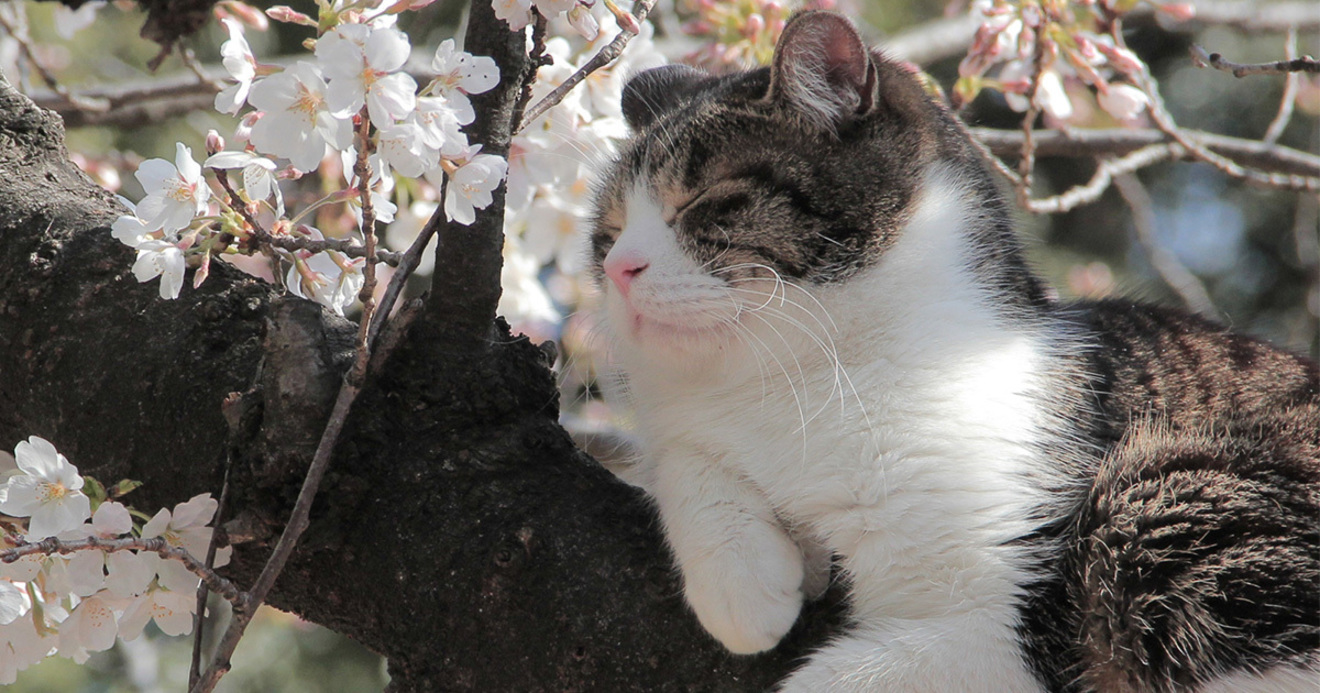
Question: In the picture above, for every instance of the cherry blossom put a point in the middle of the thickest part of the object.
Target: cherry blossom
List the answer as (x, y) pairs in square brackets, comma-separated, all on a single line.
[(21, 646), (129, 573), (440, 125), (47, 489), (297, 123), (517, 13), (237, 58), (470, 187), (584, 22), (524, 298), (158, 258), (90, 627), (458, 74), (403, 147), (258, 172), (69, 22), (361, 63), (329, 278), (129, 229), (172, 612), (1123, 101), (86, 569), (14, 602), (176, 193)]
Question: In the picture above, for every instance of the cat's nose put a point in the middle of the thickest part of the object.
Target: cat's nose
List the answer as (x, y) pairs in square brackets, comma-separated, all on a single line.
[(623, 268)]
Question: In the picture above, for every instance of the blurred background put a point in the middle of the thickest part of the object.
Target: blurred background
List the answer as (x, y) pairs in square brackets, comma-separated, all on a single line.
[(1255, 252)]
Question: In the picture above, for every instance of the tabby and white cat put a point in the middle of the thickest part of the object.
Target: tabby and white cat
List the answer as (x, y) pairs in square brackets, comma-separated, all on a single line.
[(830, 336)]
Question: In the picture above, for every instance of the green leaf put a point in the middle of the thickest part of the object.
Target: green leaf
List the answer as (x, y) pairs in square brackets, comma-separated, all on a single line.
[(124, 487)]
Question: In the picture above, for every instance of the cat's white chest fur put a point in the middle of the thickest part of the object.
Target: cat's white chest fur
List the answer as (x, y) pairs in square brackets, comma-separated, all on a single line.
[(894, 417)]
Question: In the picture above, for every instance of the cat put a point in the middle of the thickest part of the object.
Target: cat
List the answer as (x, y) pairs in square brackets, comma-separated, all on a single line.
[(830, 337)]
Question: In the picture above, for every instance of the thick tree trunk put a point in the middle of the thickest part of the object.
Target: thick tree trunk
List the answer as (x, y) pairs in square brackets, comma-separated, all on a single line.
[(459, 533)]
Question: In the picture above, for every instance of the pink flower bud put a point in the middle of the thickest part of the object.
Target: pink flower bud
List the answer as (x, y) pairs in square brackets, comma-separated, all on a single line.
[(1123, 101), (753, 25), (244, 130), (214, 142), (244, 13), (1180, 11), (1122, 59), (1031, 16), (284, 13), (1086, 48)]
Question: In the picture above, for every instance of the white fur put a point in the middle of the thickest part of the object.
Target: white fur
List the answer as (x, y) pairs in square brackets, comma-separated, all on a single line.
[(1280, 679), (892, 416)]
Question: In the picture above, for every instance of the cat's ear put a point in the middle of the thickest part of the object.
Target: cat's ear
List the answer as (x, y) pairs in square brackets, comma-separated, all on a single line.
[(823, 68), (652, 93)]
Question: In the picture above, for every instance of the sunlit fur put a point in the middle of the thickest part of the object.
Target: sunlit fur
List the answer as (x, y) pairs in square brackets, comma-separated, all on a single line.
[(831, 338), (900, 431)]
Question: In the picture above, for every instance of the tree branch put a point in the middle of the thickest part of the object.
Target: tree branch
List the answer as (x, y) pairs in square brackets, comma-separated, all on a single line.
[(465, 286), (157, 545), (1166, 264), (1278, 67), (603, 57), (1091, 143)]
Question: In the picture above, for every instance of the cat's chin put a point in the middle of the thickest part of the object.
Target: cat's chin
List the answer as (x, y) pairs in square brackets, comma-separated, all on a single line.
[(673, 339)]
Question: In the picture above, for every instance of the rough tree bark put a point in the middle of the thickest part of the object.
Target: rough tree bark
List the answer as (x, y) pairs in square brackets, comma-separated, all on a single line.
[(459, 533)]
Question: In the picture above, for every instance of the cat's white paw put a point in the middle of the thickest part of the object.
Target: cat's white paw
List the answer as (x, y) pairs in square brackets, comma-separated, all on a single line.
[(749, 595)]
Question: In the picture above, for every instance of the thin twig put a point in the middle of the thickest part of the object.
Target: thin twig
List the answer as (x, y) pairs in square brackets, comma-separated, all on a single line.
[(341, 245), (603, 57), (157, 545), (1120, 141), (1278, 67), (408, 264), (1289, 100), (1027, 159), (199, 617), (367, 295), (263, 240), (1188, 287), (1104, 175), (24, 41), (538, 58), (1164, 121), (194, 66), (299, 518)]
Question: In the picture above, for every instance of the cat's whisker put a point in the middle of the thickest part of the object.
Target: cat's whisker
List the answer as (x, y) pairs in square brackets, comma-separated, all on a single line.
[(826, 347)]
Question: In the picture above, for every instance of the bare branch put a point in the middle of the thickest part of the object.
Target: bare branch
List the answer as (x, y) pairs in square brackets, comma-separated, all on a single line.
[(157, 545), (603, 57), (1279, 67), (1092, 143), (1166, 264), (1289, 100), (299, 518), (1027, 154), (20, 35), (1164, 121), (1100, 181)]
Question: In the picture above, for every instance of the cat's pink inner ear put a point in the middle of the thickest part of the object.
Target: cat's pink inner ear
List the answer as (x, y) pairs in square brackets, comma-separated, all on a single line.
[(822, 67)]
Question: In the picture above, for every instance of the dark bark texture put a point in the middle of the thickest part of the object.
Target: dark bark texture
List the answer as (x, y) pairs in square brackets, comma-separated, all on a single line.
[(459, 532)]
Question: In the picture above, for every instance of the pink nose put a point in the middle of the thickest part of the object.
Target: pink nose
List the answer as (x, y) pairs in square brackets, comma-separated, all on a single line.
[(622, 269)]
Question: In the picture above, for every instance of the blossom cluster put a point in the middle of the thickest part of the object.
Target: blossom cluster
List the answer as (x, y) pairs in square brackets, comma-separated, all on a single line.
[(1041, 46), (743, 33), (77, 604), (353, 94), (578, 13)]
